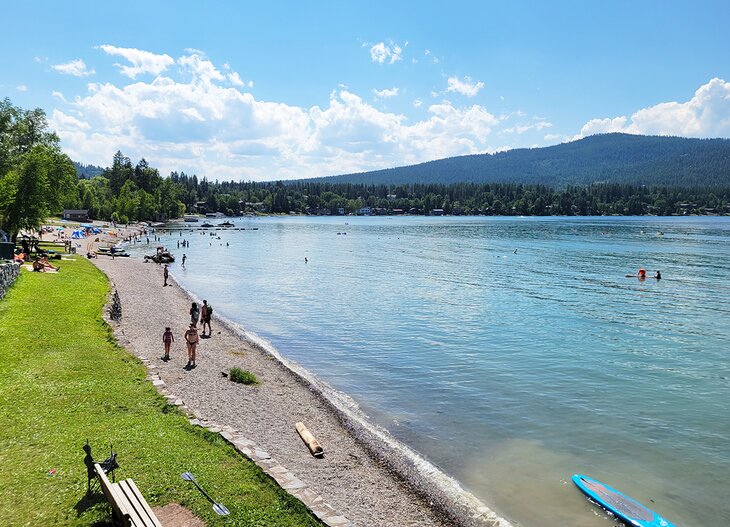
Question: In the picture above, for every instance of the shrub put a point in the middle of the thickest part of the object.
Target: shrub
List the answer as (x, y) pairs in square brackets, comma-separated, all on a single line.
[(242, 376)]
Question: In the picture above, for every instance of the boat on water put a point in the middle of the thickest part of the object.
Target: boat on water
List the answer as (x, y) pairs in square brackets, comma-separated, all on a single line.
[(207, 225), (226, 224), (190, 219)]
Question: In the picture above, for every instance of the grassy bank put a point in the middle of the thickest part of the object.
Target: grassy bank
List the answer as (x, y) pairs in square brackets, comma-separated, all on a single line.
[(63, 379)]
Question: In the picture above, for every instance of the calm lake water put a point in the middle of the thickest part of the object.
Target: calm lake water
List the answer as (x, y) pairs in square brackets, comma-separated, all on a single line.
[(511, 352)]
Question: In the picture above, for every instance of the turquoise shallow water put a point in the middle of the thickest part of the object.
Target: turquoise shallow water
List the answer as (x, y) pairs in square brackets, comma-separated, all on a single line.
[(510, 370)]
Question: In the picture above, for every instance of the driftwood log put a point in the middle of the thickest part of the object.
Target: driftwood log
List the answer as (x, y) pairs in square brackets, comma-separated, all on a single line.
[(314, 447)]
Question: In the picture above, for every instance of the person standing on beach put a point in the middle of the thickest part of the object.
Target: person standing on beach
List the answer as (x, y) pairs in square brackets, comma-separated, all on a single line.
[(194, 314), (183, 260), (167, 340), (192, 339), (165, 273), (205, 314)]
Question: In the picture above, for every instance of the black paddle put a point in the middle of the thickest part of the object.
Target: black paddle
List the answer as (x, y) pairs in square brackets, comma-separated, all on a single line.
[(217, 507)]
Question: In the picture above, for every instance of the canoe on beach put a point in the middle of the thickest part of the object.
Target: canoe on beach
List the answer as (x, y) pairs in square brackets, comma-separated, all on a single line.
[(620, 505)]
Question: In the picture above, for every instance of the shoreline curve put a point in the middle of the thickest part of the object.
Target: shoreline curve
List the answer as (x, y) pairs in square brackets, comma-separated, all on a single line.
[(443, 492)]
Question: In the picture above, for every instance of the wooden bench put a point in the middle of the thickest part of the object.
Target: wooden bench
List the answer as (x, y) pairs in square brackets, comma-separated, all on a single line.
[(127, 502)]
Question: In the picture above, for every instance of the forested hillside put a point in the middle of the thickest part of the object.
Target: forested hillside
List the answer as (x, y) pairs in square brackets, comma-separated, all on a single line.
[(87, 171), (606, 158)]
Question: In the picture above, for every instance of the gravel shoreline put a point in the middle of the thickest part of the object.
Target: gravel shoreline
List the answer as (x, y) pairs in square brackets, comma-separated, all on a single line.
[(364, 474)]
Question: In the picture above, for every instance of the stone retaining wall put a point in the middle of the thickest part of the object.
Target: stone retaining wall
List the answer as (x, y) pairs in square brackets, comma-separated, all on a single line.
[(8, 273)]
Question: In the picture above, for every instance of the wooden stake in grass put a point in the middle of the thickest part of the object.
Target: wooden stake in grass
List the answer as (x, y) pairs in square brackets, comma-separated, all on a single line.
[(314, 447)]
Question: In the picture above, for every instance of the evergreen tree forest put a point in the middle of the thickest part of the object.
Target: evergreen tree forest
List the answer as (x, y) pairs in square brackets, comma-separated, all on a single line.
[(37, 180), (126, 192)]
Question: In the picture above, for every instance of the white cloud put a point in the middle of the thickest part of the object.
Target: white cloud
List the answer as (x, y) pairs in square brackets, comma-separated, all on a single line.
[(200, 68), (196, 120), (706, 114), (465, 87), (386, 93), (386, 53), (234, 78), (21, 87), (522, 128), (417, 103), (77, 68), (142, 61)]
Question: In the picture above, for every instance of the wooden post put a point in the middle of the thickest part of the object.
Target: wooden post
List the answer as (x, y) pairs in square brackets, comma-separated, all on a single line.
[(314, 447)]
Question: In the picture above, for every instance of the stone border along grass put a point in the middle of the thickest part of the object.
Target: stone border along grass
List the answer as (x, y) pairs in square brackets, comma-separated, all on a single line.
[(283, 476)]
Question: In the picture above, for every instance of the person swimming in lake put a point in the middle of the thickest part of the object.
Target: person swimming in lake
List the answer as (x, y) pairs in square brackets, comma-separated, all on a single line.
[(658, 275), (641, 275)]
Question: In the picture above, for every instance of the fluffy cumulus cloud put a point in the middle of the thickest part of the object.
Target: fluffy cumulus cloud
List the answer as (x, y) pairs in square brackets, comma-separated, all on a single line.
[(200, 119), (386, 93), (706, 114), (464, 87), (140, 61), (77, 68), (383, 53)]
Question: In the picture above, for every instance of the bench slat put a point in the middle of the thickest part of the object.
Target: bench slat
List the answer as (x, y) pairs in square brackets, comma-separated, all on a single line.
[(129, 503), (144, 503), (138, 503), (118, 503)]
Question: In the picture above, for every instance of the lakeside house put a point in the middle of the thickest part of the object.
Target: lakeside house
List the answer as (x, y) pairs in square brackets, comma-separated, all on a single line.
[(76, 214), (364, 211), (437, 212)]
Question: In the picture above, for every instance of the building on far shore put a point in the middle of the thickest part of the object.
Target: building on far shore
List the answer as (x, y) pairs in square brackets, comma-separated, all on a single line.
[(76, 215)]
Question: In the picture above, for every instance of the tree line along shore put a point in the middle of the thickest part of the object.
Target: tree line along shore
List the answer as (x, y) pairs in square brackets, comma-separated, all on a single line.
[(37, 179)]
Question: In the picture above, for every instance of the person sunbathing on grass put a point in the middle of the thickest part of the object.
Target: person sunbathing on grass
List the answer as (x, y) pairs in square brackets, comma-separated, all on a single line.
[(43, 265)]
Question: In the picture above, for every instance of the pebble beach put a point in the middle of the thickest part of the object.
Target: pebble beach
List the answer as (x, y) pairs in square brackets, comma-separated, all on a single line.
[(364, 475)]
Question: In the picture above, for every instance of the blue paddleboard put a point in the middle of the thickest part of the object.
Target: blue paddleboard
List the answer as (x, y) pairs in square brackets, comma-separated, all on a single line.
[(620, 505)]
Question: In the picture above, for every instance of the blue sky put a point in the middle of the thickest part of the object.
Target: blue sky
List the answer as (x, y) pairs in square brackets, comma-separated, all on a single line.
[(233, 90)]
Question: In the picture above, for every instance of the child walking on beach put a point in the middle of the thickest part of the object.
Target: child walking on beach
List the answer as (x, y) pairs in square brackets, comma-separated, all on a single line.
[(192, 339), (167, 339)]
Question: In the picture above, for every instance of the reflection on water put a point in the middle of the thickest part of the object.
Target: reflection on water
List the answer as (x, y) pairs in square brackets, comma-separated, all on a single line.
[(512, 352)]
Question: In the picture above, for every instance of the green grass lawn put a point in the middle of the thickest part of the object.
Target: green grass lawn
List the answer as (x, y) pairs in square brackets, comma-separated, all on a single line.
[(63, 380)]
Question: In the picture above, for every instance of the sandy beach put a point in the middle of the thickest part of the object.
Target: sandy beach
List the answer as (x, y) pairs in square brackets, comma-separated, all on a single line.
[(363, 475)]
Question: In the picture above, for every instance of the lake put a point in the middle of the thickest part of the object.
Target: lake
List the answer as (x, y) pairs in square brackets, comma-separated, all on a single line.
[(511, 352)]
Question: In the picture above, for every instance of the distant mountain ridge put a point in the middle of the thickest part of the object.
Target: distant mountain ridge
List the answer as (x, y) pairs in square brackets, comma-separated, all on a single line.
[(606, 158)]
